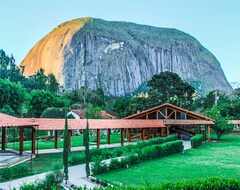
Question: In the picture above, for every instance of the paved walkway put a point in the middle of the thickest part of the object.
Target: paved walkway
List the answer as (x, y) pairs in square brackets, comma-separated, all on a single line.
[(77, 175), (11, 157), (80, 148)]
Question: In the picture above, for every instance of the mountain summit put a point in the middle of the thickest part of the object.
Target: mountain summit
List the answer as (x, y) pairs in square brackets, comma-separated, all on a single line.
[(120, 57)]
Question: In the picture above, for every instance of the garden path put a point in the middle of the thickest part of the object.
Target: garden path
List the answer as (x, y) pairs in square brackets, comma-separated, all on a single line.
[(77, 175)]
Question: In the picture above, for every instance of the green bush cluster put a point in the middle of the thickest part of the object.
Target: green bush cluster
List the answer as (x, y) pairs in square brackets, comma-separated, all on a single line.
[(146, 153), (76, 158), (197, 184), (10, 173), (196, 140), (107, 153), (51, 181)]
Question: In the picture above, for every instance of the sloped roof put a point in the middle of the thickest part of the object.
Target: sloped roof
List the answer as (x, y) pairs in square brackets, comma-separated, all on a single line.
[(169, 106), (187, 122), (104, 114), (58, 124), (236, 122), (10, 121)]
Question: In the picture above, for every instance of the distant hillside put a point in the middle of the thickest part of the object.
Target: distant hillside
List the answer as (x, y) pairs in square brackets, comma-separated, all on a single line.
[(120, 57)]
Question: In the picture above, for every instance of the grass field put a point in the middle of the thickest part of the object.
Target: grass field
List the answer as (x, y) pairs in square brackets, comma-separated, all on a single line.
[(75, 142), (210, 160)]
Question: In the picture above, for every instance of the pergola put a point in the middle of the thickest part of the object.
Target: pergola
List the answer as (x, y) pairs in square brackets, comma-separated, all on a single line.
[(7, 121), (152, 122), (172, 115), (100, 124)]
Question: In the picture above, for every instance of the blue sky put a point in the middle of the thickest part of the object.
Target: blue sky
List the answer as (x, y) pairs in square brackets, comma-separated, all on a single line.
[(215, 23)]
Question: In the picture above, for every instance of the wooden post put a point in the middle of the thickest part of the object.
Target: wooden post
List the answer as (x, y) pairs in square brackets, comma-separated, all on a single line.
[(3, 138), (161, 132), (209, 133), (143, 133), (98, 138), (109, 136), (56, 139), (33, 140), (21, 140), (122, 137), (83, 138), (69, 140), (167, 130), (129, 135), (147, 130)]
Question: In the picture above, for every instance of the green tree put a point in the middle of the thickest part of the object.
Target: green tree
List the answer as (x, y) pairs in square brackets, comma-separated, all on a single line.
[(92, 112), (221, 126), (65, 149), (53, 113), (120, 106), (39, 101), (8, 110), (52, 84), (87, 152), (11, 94), (169, 87)]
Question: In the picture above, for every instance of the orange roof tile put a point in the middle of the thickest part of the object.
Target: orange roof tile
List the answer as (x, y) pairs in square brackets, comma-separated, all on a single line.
[(58, 124), (10, 121)]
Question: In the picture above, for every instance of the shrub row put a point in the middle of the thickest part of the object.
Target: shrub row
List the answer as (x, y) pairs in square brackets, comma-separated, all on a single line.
[(107, 153), (196, 140), (197, 184), (146, 153), (9, 173)]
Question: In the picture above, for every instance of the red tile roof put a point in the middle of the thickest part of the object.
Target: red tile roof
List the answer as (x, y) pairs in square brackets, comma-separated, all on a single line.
[(58, 124), (10, 121)]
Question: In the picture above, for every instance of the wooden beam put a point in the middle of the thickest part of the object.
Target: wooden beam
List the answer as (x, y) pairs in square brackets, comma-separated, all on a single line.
[(147, 131), (98, 138), (55, 139), (109, 136), (122, 137), (3, 138), (33, 140), (21, 140), (168, 130), (161, 132), (69, 140), (143, 133), (170, 114), (83, 137), (209, 133), (146, 115), (162, 114), (129, 135)]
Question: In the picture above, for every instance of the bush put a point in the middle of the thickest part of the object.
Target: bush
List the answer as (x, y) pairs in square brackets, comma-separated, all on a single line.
[(76, 158), (146, 153), (197, 184), (30, 186), (6, 173), (115, 164), (98, 166), (196, 140)]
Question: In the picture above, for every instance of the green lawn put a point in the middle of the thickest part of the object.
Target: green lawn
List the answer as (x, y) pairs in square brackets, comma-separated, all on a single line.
[(75, 142), (210, 160)]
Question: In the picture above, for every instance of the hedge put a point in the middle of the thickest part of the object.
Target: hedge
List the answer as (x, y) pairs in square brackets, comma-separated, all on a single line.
[(196, 140), (146, 153), (107, 153), (196, 184)]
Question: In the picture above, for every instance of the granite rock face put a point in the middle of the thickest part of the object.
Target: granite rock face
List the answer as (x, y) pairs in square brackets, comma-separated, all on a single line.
[(120, 57)]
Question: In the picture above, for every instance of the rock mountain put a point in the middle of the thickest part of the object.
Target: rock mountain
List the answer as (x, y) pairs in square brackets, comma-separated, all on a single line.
[(120, 57)]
